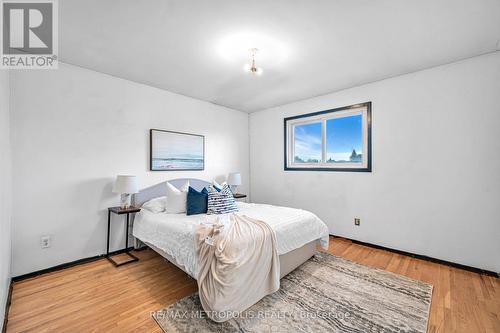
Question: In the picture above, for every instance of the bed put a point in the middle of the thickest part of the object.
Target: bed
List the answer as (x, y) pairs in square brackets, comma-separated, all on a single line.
[(298, 232)]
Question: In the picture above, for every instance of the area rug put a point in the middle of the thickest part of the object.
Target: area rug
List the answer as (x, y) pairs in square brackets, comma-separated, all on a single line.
[(325, 294)]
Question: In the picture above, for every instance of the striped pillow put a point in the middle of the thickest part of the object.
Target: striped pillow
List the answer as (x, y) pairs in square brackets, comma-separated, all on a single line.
[(221, 202)]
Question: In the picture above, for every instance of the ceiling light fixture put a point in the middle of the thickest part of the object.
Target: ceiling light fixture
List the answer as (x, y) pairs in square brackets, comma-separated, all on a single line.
[(252, 68)]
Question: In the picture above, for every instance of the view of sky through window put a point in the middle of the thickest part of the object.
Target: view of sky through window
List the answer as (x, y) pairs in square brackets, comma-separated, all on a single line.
[(344, 140), (307, 143), (344, 137)]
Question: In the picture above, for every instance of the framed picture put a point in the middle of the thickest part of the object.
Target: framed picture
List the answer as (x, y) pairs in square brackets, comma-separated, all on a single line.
[(331, 140), (175, 151)]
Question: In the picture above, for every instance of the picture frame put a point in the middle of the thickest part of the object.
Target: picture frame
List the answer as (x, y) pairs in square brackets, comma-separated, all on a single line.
[(176, 151)]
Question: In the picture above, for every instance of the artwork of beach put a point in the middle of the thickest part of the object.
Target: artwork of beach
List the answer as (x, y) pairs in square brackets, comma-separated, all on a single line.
[(176, 151)]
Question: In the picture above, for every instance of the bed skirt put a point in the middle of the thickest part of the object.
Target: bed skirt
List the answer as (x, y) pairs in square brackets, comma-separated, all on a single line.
[(288, 261)]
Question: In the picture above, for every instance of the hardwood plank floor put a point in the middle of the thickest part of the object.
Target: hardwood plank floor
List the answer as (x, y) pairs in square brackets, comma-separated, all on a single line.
[(97, 297)]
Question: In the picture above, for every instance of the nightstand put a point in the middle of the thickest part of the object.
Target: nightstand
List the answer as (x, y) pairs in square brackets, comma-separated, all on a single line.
[(240, 197), (121, 211)]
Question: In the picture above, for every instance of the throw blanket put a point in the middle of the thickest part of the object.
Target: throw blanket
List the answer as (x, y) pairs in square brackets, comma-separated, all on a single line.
[(238, 265)]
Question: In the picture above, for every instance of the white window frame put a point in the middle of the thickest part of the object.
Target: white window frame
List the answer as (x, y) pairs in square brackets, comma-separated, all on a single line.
[(322, 117)]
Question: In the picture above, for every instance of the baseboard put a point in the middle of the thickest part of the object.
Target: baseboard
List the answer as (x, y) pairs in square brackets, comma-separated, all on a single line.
[(419, 256), (66, 265), (7, 308), (414, 255)]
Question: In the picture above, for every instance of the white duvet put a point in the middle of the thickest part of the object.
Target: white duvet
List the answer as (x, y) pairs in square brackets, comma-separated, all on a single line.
[(175, 233)]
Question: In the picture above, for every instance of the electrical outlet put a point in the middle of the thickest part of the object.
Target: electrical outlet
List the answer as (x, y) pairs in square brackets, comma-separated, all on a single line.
[(45, 242), (357, 221)]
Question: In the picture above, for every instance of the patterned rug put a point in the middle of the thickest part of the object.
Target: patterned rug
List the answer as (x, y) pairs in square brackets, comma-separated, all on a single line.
[(325, 294)]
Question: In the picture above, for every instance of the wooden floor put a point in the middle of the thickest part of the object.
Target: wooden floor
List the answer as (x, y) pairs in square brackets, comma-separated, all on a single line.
[(97, 297)]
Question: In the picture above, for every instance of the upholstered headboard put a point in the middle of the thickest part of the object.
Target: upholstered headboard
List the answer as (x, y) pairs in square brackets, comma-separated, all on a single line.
[(159, 190)]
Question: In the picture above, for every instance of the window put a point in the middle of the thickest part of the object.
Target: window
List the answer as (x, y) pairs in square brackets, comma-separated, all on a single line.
[(331, 140)]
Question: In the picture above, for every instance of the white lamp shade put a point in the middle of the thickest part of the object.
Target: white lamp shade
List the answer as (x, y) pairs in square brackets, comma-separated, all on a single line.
[(126, 185), (234, 179)]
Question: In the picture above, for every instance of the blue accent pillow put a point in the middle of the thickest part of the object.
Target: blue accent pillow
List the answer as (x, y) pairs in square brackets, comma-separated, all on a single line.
[(197, 202)]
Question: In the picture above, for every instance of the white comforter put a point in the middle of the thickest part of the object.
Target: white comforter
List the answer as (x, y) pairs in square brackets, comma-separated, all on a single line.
[(175, 233)]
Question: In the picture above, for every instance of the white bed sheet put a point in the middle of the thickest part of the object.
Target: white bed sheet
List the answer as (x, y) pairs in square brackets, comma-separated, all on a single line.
[(174, 233)]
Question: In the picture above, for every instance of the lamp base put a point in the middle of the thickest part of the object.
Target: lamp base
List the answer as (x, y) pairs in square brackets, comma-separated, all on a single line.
[(233, 188), (125, 201)]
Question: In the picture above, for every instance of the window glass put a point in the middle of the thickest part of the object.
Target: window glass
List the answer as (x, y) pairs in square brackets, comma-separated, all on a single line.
[(344, 140), (307, 143)]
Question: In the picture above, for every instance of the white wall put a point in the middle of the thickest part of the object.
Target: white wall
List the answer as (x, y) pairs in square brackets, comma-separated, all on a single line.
[(74, 130), (5, 193), (434, 188), (435, 185)]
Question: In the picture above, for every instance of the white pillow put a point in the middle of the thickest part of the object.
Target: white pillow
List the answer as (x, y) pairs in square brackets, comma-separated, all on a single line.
[(156, 205), (176, 200)]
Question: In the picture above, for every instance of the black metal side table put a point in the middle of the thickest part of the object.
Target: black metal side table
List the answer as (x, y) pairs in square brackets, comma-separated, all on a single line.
[(121, 211), (239, 196)]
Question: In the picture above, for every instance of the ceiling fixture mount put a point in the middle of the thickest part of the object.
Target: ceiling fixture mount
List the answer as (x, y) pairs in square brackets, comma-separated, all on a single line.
[(252, 68)]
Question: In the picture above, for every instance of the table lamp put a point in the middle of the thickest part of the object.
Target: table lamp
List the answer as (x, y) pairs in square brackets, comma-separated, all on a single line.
[(234, 180), (125, 186)]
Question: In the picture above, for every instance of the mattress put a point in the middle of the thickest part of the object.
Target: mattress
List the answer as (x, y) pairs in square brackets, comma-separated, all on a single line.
[(174, 233)]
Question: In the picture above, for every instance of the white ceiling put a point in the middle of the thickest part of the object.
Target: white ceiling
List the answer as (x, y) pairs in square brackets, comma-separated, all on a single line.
[(307, 48)]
